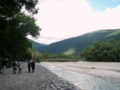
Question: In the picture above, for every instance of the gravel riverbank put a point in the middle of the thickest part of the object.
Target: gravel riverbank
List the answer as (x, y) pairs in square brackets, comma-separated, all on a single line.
[(88, 75), (100, 69), (41, 79)]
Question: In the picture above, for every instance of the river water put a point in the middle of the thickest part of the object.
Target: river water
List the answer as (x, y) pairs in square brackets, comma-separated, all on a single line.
[(85, 81)]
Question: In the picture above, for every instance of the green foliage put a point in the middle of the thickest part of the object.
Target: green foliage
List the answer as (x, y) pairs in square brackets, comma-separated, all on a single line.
[(36, 56), (15, 26), (102, 51), (70, 51), (57, 57), (15, 42), (9, 8)]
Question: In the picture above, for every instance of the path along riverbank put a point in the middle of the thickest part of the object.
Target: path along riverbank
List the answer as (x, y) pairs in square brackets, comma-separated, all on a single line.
[(88, 75), (41, 79)]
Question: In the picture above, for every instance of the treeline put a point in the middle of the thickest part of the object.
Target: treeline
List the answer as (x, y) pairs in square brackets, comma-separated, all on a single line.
[(53, 57), (102, 51)]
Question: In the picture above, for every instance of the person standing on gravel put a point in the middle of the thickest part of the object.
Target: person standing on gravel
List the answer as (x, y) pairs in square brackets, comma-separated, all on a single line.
[(29, 66), (19, 67), (4, 65), (33, 65), (14, 66)]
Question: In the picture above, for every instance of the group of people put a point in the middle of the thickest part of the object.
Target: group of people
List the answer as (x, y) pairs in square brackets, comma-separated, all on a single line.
[(31, 64), (17, 66)]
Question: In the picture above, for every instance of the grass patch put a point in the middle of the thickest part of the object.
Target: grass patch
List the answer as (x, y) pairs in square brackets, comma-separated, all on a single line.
[(70, 51), (114, 33)]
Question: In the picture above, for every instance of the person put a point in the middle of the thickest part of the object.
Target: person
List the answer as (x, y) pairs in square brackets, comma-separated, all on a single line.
[(29, 66), (33, 65), (4, 65), (19, 67), (14, 66)]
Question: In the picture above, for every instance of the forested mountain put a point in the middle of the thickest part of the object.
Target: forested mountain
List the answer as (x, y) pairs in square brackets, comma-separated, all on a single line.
[(37, 45), (73, 46)]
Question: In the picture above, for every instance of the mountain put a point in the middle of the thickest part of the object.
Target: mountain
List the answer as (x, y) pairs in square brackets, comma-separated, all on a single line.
[(37, 45), (73, 46)]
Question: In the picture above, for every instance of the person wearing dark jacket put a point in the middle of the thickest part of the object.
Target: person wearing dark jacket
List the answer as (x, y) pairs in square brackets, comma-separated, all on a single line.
[(14, 66), (33, 66), (4, 65), (29, 66)]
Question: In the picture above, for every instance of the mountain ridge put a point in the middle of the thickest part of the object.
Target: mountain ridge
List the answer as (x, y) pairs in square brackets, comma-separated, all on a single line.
[(37, 45), (73, 46)]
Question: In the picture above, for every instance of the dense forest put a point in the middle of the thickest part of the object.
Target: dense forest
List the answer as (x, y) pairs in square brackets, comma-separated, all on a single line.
[(102, 51)]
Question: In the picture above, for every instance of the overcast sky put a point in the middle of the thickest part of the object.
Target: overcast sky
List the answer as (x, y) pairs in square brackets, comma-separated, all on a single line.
[(61, 19)]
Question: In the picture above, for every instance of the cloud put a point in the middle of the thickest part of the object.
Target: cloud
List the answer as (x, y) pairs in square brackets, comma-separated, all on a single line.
[(61, 19)]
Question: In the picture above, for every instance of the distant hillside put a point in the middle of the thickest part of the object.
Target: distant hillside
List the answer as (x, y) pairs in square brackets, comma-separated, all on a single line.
[(37, 45), (115, 35), (73, 46)]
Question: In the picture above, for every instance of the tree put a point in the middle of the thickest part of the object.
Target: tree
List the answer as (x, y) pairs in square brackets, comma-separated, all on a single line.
[(9, 8), (16, 42), (15, 26), (102, 51)]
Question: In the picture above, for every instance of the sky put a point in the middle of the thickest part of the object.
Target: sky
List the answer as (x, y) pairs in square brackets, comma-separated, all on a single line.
[(62, 19)]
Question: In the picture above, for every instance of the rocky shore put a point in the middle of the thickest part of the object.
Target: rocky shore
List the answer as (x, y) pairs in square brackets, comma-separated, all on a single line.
[(88, 75), (41, 79), (100, 69)]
